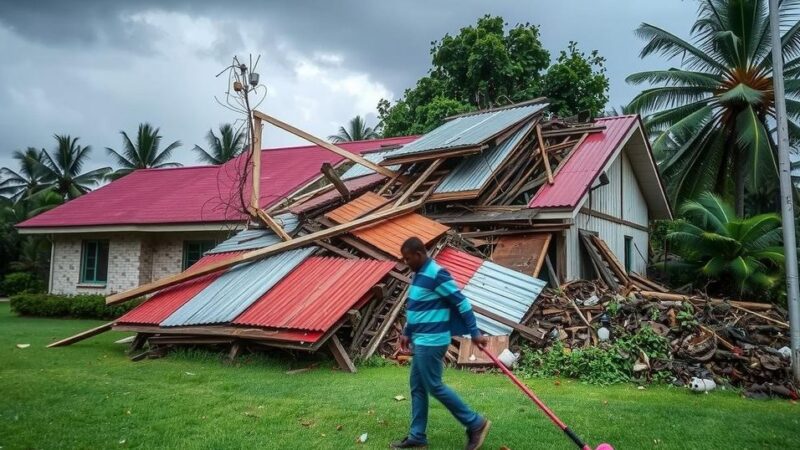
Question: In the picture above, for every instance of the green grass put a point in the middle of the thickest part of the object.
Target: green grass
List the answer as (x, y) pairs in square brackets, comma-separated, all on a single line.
[(90, 395)]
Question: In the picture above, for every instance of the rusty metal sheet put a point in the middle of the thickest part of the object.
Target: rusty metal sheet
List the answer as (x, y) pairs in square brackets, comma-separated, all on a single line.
[(390, 234), (316, 294), (524, 253)]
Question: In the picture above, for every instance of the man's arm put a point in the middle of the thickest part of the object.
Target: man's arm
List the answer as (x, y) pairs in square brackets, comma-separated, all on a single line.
[(446, 287)]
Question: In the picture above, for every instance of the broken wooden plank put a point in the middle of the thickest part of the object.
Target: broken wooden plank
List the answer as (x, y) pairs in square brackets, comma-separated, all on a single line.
[(543, 153), (340, 355), (330, 174), (82, 335), (524, 253), (259, 254), (326, 145), (255, 152), (573, 131), (274, 226), (537, 335), (416, 184)]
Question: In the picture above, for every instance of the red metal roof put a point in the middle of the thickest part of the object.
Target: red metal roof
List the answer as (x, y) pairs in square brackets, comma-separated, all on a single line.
[(462, 266), (390, 234), (316, 294), (164, 303), (198, 194), (584, 165)]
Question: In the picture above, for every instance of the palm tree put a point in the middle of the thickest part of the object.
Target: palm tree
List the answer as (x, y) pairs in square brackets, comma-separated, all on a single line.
[(144, 154), (718, 246), (224, 148), (711, 117), (62, 170), (27, 180), (357, 130)]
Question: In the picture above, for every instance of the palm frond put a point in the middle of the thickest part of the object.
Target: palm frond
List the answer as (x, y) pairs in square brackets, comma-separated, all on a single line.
[(752, 136), (668, 45), (653, 99)]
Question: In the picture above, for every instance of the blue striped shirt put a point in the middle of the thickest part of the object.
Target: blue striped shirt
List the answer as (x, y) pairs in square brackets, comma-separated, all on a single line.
[(432, 296)]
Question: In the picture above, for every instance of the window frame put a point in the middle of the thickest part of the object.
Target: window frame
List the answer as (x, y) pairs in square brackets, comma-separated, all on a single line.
[(204, 246), (96, 260)]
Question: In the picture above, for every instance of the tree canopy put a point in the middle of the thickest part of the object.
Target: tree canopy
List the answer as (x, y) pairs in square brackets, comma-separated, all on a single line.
[(357, 130), (489, 65)]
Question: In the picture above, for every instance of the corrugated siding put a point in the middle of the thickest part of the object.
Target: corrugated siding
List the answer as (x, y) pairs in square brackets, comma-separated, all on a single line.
[(469, 130), (257, 238), (237, 289), (390, 234), (614, 236), (633, 202), (359, 171), (495, 288), (474, 171), (584, 165), (164, 303), (607, 199), (316, 294)]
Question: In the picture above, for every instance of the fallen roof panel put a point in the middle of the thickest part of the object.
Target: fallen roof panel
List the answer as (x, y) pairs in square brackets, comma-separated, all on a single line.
[(359, 171), (258, 237), (471, 130), (474, 171), (494, 288), (316, 295), (237, 289), (390, 234), (355, 187), (162, 304)]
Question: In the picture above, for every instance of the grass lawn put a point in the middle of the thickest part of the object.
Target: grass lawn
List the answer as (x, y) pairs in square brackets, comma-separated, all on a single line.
[(90, 395)]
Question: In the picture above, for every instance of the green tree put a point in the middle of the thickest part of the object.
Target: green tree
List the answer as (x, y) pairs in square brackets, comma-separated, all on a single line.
[(27, 179), (61, 171), (711, 117), (357, 130), (144, 153), (488, 65), (576, 82), (222, 149), (725, 250)]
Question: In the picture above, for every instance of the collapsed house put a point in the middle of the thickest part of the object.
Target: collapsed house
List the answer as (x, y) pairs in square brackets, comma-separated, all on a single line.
[(507, 200)]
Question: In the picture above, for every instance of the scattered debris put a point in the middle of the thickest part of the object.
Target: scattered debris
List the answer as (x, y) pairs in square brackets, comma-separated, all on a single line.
[(399, 398), (361, 439), (23, 345)]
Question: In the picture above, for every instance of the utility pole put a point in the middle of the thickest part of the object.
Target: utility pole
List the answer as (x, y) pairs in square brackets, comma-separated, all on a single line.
[(787, 199)]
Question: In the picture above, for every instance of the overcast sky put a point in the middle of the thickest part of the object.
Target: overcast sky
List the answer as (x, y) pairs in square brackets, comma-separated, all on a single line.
[(91, 68)]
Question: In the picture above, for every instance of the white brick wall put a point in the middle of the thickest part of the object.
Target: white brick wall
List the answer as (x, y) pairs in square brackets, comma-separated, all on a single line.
[(133, 259)]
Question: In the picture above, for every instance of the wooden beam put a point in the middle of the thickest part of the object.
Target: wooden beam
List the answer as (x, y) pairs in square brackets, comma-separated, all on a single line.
[(573, 130), (255, 149), (330, 174), (270, 222), (604, 216), (416, 184), (259, 254), (340, 355), (82, 335), (531, 333), (326, 145), (543, 153)]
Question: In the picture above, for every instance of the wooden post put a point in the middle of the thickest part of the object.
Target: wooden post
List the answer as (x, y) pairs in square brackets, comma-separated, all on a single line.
[(326, 145), (82, 335), (330, 174), (255, 148), (543, 152), (418, 182), (259, 254), (340, 355)]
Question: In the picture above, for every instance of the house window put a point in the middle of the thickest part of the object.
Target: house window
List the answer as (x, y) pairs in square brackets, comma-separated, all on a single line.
[(194, 250), (94, 262), (628, 253)]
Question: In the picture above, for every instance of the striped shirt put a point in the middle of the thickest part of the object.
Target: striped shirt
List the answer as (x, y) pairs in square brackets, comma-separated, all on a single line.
[(432, 297)]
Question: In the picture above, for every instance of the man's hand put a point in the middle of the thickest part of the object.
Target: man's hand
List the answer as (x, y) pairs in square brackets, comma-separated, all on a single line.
[(480, 341), (405, 344)]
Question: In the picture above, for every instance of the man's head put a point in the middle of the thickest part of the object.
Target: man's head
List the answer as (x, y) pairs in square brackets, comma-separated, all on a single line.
[(414, 253)]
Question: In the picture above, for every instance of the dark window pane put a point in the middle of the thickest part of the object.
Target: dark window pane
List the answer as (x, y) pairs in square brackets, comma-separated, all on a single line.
[(102, 262), (193, 251)]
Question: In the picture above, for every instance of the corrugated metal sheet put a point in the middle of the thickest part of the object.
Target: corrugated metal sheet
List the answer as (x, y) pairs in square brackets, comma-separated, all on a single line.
[(257, 237), (355, 187), (390, 234), (613, 234), (469, 130), (494, 288), (165, 302), (359, 171), (584, 165), (234, 291), (474, 171), (316, 294), (357, 207), (462, 266)]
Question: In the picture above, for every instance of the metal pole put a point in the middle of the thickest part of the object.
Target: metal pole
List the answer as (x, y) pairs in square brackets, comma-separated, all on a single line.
[(787, 205)]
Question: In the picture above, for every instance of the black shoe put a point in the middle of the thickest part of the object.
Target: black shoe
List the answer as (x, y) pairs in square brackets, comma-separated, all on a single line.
[(476, 437), (408, 443)]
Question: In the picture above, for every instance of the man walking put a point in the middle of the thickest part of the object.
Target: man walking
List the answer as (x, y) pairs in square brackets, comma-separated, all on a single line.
[(435, 311)]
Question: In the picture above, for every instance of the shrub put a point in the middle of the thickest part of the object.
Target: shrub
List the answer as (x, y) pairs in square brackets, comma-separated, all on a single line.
[(19, 282), (78, 306)]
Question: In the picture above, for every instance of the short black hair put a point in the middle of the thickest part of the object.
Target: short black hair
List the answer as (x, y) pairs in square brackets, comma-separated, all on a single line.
[(413, 244)]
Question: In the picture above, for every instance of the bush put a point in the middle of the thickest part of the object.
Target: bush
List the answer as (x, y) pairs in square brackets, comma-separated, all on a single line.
[(19, 282), (78, 306), (611, 363)]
